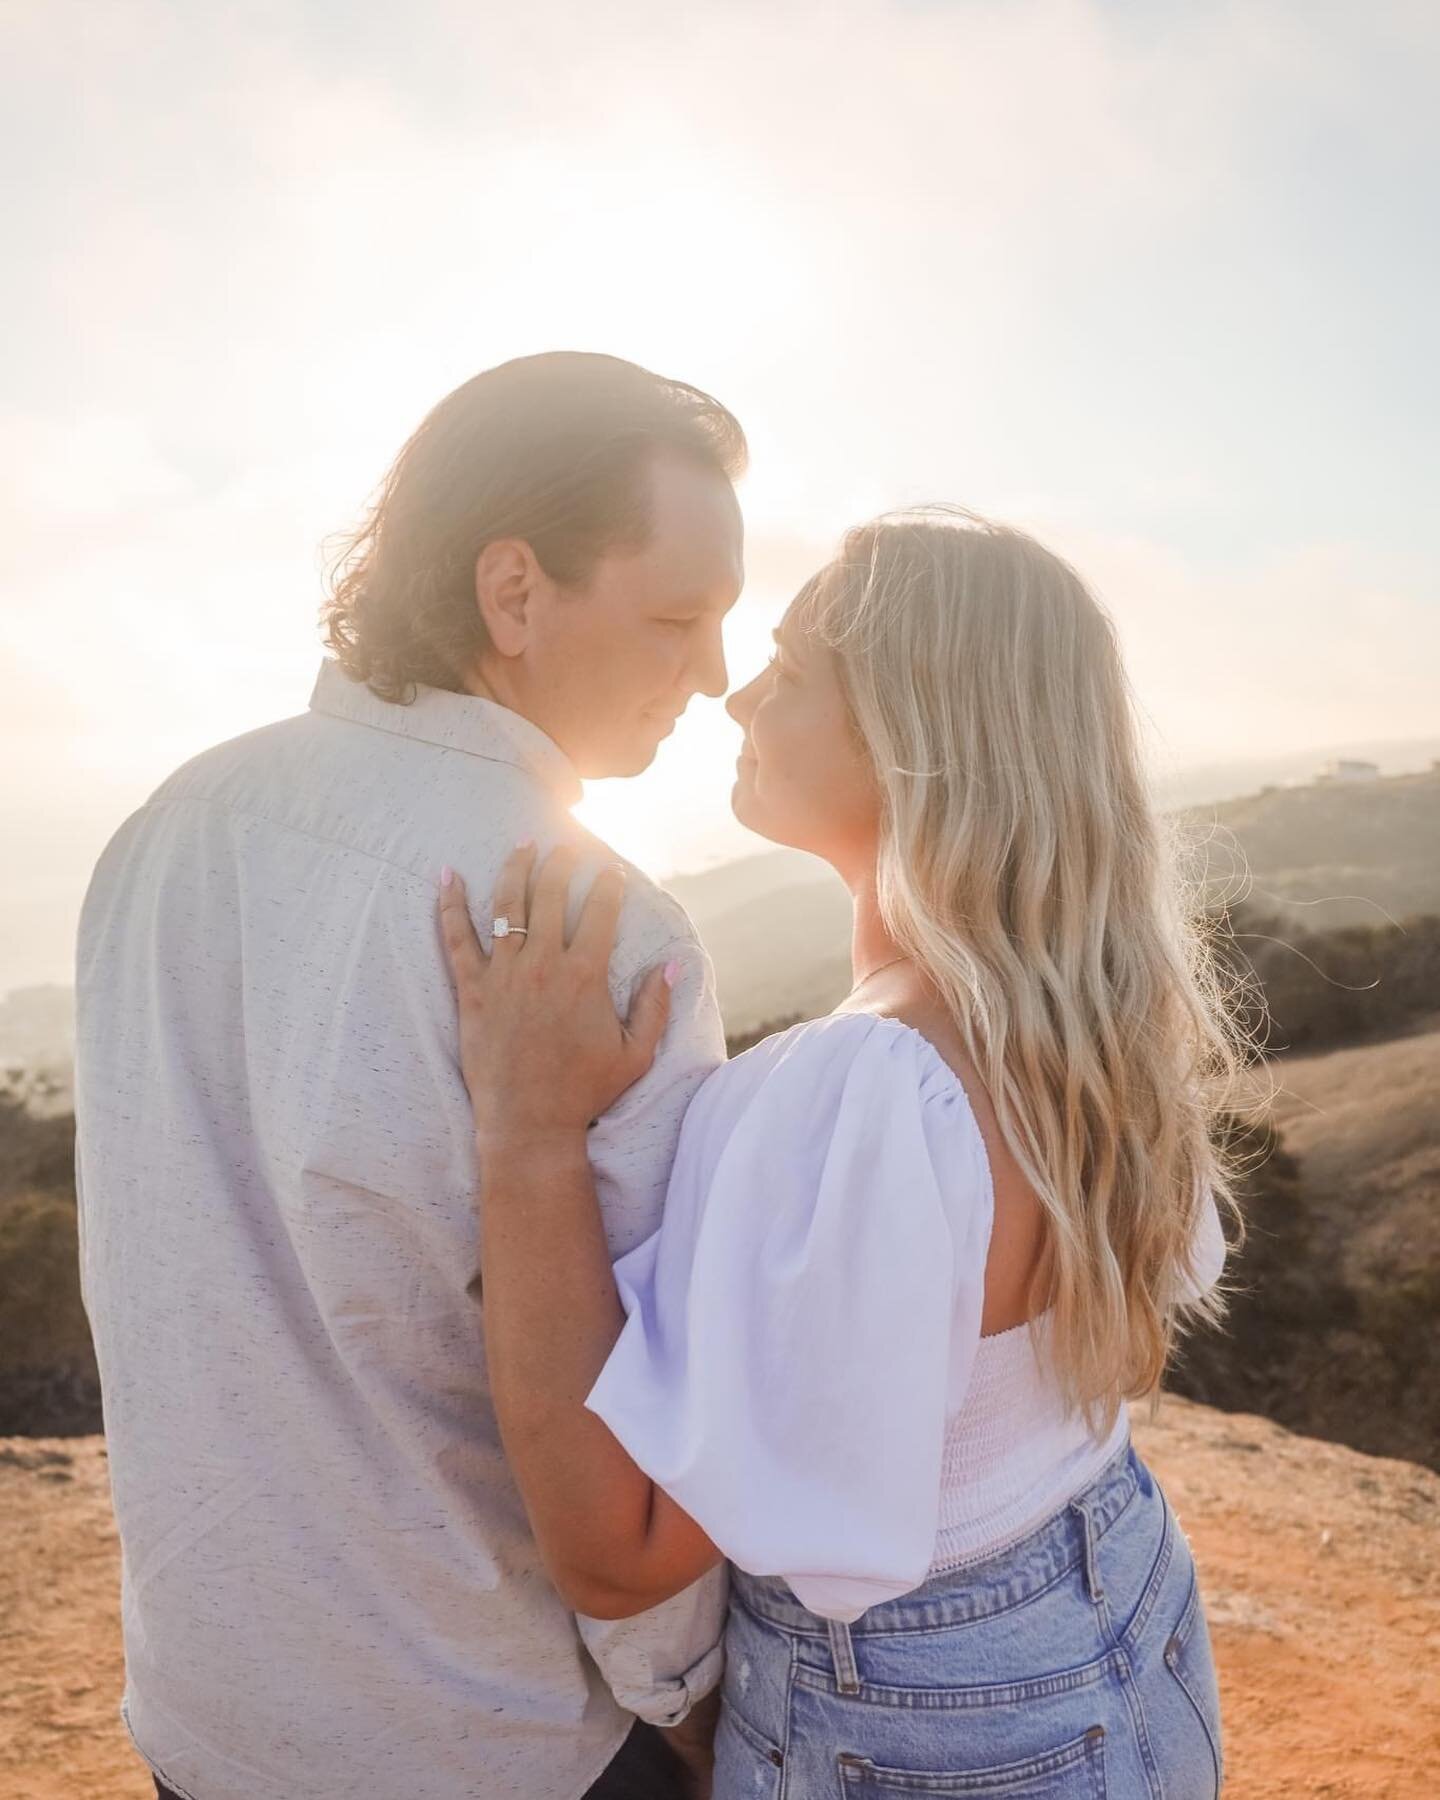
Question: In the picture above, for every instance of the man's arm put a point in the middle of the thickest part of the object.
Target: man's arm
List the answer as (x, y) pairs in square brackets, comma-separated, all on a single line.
[(660, 1663)]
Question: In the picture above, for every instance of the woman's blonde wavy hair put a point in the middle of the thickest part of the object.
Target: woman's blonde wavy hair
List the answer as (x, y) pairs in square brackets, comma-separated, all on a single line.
[(1025, 870)]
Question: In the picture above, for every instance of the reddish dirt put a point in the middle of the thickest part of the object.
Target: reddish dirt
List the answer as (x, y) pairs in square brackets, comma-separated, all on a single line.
[(1321, 1571)]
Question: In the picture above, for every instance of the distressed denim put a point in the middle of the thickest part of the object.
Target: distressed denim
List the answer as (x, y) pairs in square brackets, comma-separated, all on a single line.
[(1074, 1665)]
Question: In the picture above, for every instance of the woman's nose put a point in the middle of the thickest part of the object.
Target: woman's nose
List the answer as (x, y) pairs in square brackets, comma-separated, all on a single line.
[(739, 704)]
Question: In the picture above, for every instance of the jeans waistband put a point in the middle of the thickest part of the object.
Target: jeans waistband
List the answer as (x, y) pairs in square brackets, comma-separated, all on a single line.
[(992, 1584)]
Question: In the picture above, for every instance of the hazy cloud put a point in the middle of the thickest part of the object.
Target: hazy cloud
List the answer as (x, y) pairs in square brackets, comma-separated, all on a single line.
[(1156, 280)]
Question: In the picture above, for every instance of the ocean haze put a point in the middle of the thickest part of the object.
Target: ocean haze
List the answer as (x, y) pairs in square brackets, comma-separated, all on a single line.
[(55, 844), (1311, 854)]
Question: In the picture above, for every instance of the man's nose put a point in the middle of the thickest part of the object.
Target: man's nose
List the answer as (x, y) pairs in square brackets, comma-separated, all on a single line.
[(708, 672)]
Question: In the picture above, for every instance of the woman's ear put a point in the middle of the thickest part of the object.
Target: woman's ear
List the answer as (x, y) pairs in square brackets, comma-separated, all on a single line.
[(507, 576)]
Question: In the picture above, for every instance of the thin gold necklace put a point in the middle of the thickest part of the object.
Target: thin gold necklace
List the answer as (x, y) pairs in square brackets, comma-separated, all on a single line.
[(879, 969)]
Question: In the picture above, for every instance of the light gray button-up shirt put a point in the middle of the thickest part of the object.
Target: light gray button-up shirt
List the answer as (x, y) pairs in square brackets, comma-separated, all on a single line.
[(329, 1584)]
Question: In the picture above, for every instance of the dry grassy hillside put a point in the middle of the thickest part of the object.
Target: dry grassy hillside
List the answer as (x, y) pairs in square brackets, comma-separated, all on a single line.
[(1309, 857), (1336, 1329), (1318, 1567), (1365, 1124)]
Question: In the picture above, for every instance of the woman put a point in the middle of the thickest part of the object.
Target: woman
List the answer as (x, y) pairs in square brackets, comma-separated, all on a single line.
[(917, 1254)]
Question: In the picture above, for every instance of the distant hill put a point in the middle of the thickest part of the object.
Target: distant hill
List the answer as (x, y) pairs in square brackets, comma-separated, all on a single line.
[(1330, 853), (777, 927), (777, 924), (37, 1035), (1205, 784), (1318, 855), (712, 893)]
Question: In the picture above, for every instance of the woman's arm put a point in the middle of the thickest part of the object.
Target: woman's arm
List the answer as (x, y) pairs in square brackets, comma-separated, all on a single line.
[(543, 1053), (613, 1542)]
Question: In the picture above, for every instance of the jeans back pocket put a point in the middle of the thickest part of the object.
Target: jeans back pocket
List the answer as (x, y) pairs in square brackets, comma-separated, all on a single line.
[(1073, 1771)]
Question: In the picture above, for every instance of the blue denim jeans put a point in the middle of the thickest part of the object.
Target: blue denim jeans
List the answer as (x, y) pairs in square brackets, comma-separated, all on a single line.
[(1075, 1665)]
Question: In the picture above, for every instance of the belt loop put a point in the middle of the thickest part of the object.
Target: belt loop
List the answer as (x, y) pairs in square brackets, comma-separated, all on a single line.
[(842, 1651), (1092, 1568)]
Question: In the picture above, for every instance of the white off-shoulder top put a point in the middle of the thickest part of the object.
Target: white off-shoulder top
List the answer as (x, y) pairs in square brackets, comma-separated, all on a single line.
[(801, 1367)]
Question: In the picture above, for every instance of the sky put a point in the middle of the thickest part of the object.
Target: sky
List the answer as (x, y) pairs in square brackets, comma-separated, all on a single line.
[(1157, 281)]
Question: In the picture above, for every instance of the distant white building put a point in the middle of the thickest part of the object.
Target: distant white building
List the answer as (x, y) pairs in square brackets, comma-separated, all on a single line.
[(1346, 768)]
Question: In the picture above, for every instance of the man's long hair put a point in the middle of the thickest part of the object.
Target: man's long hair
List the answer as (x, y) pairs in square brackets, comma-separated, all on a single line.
[(551, 449)]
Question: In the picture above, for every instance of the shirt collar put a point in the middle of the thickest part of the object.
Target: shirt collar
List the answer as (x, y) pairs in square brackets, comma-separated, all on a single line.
[(461, 722)]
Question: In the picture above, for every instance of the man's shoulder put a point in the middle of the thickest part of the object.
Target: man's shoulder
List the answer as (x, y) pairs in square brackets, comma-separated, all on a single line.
[(224, 767), (381, 798), (651, 917), (209, 775)]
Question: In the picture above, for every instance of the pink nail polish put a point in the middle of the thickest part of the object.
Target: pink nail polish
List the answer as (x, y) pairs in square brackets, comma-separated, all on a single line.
[(526, 843), (672, 973), (447, 875)]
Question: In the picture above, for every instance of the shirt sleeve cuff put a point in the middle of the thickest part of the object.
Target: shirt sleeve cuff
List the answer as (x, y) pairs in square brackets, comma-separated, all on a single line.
[(660, 1663), (669, 1703)]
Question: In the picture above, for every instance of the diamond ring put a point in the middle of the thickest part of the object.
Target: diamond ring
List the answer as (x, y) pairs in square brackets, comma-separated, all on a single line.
[(502, 927)]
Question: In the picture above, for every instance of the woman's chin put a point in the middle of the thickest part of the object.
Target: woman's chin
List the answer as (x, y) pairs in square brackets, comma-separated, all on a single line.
[(742, 803), (749, 814)]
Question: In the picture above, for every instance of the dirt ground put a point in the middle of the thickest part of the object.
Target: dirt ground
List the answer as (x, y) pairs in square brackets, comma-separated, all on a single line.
[(1321, 1571)]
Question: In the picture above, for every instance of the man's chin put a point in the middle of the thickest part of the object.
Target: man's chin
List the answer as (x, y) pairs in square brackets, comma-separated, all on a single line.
[(621, 763)]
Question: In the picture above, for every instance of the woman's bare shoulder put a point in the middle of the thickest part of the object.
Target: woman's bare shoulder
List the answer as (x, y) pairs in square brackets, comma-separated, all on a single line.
[(909, 1000)]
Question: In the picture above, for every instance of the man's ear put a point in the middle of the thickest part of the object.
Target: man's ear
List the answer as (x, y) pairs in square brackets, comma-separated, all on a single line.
[(506, 578)]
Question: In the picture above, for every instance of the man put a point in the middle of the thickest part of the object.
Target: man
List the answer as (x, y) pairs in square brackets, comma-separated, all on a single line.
[(329, 1584)]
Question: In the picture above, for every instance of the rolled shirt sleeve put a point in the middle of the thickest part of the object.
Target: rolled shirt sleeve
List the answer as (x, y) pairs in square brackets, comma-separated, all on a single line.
[(642, 1659), (659, 1663)]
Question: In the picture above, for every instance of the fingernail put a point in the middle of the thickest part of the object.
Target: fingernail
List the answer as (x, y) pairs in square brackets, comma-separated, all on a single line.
[(526, 844), (447, 875), (672, 973)]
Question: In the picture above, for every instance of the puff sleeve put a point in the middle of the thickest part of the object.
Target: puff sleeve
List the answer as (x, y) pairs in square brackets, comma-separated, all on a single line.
[(798, 1325)]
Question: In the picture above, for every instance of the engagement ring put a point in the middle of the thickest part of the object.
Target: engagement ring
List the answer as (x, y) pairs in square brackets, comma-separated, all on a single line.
[(502, 927)]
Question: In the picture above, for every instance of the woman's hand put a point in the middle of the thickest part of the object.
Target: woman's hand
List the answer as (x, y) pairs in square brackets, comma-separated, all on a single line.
[(542, 1049)]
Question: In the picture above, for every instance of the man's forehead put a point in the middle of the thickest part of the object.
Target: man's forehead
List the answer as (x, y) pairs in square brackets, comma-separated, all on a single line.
[(701, 549), (683, 489)]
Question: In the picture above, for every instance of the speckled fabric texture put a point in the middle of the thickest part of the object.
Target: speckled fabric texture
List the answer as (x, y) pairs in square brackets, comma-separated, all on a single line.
[(329, 1585)]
